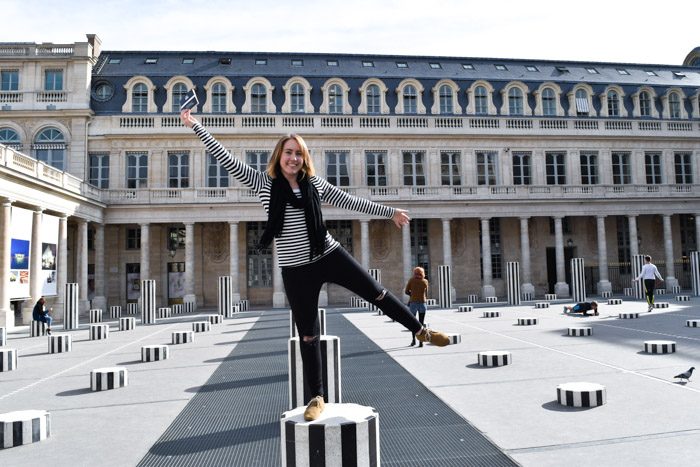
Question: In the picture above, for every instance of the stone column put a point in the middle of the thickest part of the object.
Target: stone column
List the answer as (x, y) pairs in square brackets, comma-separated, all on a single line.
[(99, 300), (487, 289), (61, 267), (145, 266), (233, 260), (447, 252), (527, 287), (34, 267), (634, 242), (671, 280), (189, 297), (697, 232), (82, 279), (406, 252), (364, 244), (278, 297), (603, 283), (561, 288), (7, 315)]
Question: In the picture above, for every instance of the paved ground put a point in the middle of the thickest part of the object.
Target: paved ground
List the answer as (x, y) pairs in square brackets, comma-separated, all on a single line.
[(172, 412)]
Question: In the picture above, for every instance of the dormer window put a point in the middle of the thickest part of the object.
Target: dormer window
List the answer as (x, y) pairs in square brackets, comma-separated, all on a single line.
[(532, 68), (332, 62), (151, 61), (261, 61), (114, 61), (468, 66), (501, 67), (622, 71), (651, 73), (225, 61), (297, 62), (592, 71), (435, 66), (367, 64), (188, 61), (678, 74), (401, 65), (562, 69)]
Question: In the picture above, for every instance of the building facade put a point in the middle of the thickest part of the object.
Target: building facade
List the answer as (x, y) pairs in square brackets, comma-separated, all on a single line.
[(496, 160)]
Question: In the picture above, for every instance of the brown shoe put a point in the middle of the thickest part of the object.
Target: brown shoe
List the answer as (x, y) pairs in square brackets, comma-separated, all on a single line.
[(434, 337), (314, 409)]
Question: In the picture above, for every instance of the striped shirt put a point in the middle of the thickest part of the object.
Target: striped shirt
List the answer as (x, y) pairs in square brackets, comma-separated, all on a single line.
[(293, 244)]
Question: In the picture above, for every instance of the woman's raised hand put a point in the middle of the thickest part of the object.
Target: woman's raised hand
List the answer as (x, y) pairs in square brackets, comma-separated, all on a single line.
[(187, 119), (401, 217)]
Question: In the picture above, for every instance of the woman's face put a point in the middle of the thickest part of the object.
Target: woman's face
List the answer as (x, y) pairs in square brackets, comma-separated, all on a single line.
[(291, 160)]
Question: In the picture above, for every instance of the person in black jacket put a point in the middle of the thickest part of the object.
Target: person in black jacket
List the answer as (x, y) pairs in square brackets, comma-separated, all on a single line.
[(40, 313)]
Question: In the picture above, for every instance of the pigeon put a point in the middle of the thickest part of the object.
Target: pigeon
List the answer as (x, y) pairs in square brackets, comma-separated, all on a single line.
[(686, 375)]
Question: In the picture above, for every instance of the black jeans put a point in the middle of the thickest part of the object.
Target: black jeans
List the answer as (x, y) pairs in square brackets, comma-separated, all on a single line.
[(649, 286), (302, 285)]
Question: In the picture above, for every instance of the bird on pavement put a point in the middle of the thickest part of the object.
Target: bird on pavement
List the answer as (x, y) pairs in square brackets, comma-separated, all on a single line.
[(686, 375)]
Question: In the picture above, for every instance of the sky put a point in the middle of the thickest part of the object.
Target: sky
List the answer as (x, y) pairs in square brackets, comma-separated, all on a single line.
[(621, 31)]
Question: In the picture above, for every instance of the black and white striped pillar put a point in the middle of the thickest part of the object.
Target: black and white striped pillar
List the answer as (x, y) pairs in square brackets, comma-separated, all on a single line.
[(104, 379), (377, 275), (682, 298), (188, 307), (243, 305), (494, 358), (491, 299), (321, 323), (513, 282), (132, 308), (225, 295), (527, 321), (95, 315), (465, 308), (628, 292), (659, 347), (201, 326), (231, 312), (59, 343), (472, 298), (695, 272), (578, 280), (628, 315), (152, 353), (581, 394), (8, 360), (24, 427), (164, 312), (115, 312), (542, 305), (37, 329), (637, 286), (148, 301), (606, 294), (127, 323), (99, 332), (661, 305), (675, 289), (550, 296), (177, 308), (344, 435), (183, 337), (614, 301), (580, 331), (215, 319), (528, 296), (70, 307), (693, 323), (445, 286), (3, 336), (330, 370)]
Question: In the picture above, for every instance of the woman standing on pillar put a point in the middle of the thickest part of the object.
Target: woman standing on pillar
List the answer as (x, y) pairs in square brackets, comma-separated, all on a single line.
[(309, 256), (649, 275)]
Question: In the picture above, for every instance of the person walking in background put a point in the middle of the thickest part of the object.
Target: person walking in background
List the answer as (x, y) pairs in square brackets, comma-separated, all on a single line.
[(649, 275), (417, 290), (40, 313)]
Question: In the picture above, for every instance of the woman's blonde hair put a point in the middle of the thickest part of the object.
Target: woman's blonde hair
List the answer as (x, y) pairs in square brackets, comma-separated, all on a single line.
[(307, 167), (420, 271)]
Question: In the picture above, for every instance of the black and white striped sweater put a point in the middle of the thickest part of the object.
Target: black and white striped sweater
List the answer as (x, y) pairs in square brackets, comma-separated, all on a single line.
[(293, 243)]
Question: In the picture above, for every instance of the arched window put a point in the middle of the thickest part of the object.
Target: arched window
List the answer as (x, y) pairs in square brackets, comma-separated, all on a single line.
[(613, 104), (50, 147), (374, 100), (410, 98), (446, 100), (298, 96), (515, 101), (674, 105), (139, 98), (549, 103), (10, 138), (644, 104), (481, 101), (582, 108), (335, 99), (218, 98), (178, 93), (258, 96)]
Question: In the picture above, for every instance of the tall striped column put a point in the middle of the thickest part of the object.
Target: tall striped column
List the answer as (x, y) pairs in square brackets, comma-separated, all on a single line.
[(377, 275), (148, 301), (445, 284), (330, 372), (513, 282), (695, 272), (638, 286), (225, 295), (578, 280), (70, 307)]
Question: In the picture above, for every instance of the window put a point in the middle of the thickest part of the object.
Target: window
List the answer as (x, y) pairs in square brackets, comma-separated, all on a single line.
[(486, 167), (188, 61), (99, 170), (257, 159), (219, 99), (133, 239), (592, 71), (297, 62), (674, 105), (374, 100), (623, 71), (50, 147), (467, 66), (342, 232), (217, 176), (178, 93), (435, 66), (683, 166), (136, 170), (337, 171), (446, 100), (652, 167), (688, 236), (103, 91), (532, 68), (376, 168), (621, 168), (139, 98), (335, 99), (495, 240), (224, 60), (9, 80), (644, 104), (261, 61), (522, 168), (589, 168), (554, 168), (401, 65), (562, 69), (413, 169), (501, 67), (581, 103), (549, 103), (151, 61), (651, 73), (10, 138), (420, 254), (258, 97), (678, 74), (481, 100), (613, 104), (332, 62), (449, 168), (297, 94), (367, 64), (178, 170), (114, 61), (623, 243), (410, 99), (515, 101), (259, 261), (53, 80)]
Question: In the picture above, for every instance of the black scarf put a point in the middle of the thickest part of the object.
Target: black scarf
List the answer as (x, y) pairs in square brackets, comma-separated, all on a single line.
[(281, 194)]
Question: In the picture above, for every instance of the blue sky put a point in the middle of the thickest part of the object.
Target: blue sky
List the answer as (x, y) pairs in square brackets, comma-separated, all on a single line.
[(595, 30)]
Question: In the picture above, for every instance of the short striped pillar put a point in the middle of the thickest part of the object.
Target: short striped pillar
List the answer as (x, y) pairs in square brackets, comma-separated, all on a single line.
[(243, 305), (527, 321), (445, 286), (513, 282), (550, 296), (115, 312), (188, 307), (491, 314), (542, 305), (675, 289), (465, 308), (99, 332), (659, 291), (578, 280), (344, 434), (37, 329), (321, 323), (614, 301), (494, 358), (3, 336), (637, 286), (580, 331), (431, 302), (24, 427), (528, 296), (148, 301), (628, 292), (177, 308), (330, 371), (104, 379), (659, 347), (606, 294), (628, 315), (491, 299), (377, 275), (581, 394), (59, 343), (70, 307), (132, 308), (201, 326), (472, 298), (183, 337), (354, 302), (232, 311), (127, 323), (682, 298), (454, 338), (225, 296), (153, 353), (661, 305), (693, 323), (95, 315), (215, 319), (8, 359), (695, 272), (164, 312)]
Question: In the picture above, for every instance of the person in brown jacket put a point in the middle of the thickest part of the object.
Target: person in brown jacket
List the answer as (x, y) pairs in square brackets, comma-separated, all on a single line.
[(417, 290)]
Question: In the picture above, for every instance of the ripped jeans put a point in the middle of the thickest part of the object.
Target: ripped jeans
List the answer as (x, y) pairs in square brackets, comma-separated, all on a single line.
[(302, 285)]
